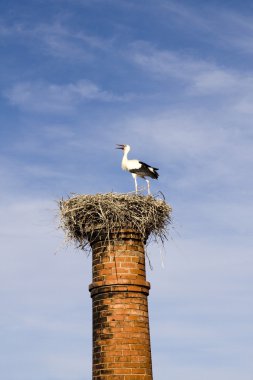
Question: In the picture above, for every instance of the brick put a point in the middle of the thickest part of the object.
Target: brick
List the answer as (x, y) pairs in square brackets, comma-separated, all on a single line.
[(121, 341)]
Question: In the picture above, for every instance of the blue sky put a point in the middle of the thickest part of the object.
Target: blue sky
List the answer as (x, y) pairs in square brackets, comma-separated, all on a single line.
[(174, 79)]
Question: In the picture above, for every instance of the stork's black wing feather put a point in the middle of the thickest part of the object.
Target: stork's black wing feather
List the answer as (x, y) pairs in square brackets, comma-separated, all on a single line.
[(145, 171), (143, 163)]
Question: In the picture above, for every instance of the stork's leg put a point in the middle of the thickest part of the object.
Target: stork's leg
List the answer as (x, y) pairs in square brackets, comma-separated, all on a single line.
[(148, 186), (135, 182), (136, 186)]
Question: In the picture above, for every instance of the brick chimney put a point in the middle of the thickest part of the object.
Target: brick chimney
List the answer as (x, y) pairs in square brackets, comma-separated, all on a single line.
[(119, 290), (116, 227)]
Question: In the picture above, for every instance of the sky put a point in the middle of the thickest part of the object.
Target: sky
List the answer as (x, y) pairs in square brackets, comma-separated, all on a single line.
[(173, 79)]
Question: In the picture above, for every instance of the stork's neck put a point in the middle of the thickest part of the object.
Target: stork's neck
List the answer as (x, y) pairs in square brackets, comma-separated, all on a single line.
[(124, 160)]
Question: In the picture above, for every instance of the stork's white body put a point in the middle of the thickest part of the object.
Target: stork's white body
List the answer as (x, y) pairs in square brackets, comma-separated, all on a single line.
[(130, 164), (137, 168)]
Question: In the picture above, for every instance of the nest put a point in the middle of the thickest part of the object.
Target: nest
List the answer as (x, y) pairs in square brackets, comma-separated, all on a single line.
[(83, 217)]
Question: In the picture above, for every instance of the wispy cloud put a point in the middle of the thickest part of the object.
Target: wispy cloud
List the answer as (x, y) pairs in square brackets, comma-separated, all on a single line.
[(56, 39), (46, 97), (220, 27), (233, 30), (63, 42), (185, 15), (201, 76)]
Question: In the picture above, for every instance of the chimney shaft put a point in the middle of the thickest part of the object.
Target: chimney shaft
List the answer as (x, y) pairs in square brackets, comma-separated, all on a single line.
[(121, 337)]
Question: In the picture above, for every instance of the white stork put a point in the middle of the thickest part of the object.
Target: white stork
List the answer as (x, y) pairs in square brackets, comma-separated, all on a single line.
[(137, 168)]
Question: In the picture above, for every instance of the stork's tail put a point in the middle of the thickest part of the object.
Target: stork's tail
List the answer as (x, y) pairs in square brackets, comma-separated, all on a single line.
[(153, 172)]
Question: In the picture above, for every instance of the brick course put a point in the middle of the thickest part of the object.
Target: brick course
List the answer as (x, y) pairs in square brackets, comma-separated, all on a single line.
[(121, 338)]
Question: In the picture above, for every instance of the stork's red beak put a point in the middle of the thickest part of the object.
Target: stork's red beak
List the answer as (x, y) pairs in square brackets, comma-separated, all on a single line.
[(120, 146)]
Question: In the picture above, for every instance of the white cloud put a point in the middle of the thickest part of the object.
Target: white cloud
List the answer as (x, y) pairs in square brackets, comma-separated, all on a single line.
[(222, 26), (185, 14), (234, 30), (60, 41), (200, 76), (47, 97), (245, 105), (212, 79), (56, 39)]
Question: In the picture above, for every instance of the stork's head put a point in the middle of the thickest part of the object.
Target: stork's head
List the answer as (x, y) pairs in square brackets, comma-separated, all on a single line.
[(125, 148)]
